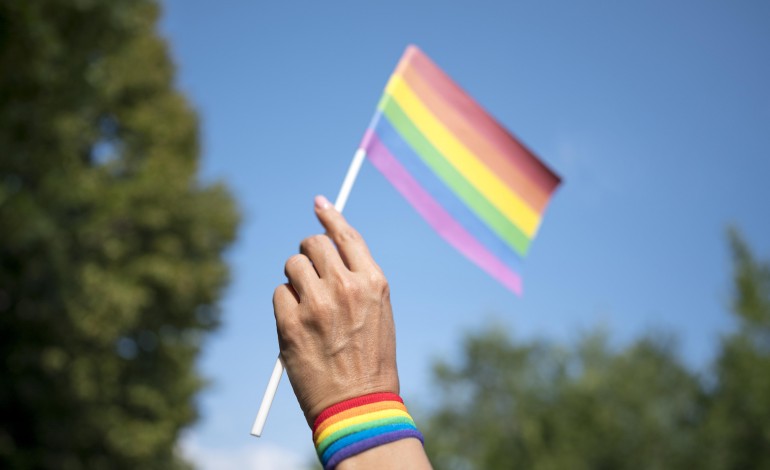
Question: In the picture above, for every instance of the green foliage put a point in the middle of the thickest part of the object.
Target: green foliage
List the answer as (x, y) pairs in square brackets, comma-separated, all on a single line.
[(539, 406), (737, 431), (110, 249)]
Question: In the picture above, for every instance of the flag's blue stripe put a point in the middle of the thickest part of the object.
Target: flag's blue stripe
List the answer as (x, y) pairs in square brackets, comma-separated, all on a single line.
[(406, 155)]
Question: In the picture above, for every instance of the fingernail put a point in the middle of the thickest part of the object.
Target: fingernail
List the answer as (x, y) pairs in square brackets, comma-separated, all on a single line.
[(322, 203)]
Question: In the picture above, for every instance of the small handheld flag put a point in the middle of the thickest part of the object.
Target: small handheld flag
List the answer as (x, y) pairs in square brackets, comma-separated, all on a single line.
[(472, 181)]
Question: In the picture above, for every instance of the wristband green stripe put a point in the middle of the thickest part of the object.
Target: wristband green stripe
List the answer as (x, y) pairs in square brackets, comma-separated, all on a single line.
[(350, 427), (363, 435), (360, 427)]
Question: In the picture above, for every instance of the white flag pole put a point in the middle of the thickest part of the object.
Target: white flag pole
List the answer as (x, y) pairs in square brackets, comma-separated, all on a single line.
[(275, 377)]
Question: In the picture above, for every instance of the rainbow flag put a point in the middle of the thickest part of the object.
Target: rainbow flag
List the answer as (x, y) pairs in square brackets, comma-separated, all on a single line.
[(472, 181)]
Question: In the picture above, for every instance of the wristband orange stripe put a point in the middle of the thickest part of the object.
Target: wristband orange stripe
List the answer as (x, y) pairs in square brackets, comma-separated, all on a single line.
[(353, 403), (356, 425), (359, 419), (382, 405)]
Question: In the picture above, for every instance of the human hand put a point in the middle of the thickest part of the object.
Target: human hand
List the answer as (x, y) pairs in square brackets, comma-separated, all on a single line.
[(335, 324)]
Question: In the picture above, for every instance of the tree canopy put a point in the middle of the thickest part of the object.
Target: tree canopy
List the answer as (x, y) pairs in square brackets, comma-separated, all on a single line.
[(110, 247), (541, 406)]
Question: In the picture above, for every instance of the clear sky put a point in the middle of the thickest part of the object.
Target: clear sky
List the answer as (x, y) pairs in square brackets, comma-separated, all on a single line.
[(656, 114)]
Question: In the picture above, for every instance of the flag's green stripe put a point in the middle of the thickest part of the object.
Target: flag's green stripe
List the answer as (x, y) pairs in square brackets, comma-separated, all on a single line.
[(442, 213), (432, 158)]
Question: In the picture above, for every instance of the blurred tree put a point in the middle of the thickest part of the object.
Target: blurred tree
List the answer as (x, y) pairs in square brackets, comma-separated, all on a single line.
[(110, 249), (535, 405), (738, 425)]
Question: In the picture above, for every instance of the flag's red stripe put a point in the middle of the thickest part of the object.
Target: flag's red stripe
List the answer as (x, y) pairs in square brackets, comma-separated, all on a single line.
[(470, 122), (435, 215), (528, 189)]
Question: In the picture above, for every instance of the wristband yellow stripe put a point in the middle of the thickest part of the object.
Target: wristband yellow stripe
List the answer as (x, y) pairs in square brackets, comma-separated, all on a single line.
[(359, 419), (357, 411), (335, 436)]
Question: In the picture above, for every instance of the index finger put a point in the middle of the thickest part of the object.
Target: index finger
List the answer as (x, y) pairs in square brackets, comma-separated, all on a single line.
[(353, 250)]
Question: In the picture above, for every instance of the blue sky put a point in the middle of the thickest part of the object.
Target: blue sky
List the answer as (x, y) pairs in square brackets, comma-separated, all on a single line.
[(656, 114)]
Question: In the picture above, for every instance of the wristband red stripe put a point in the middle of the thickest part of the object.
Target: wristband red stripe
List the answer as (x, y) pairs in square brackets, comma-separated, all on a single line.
[(357, 411), (353, 403)]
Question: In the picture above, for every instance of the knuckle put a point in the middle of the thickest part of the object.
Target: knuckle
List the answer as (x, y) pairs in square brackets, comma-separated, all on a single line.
[(377, 281), (320, 305), (288, 323), (385, 290), (347, 234), (312, 241), (282, 298), (344, 284), (294, 259), (348, 287), (277, 295)]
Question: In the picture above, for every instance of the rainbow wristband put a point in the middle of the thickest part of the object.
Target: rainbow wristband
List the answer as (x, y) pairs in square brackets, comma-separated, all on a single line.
[(353, 426)]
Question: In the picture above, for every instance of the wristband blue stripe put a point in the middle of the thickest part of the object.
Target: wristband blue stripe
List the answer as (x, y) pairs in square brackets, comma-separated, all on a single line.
[(356, 425), (360, 436), (370, 443)]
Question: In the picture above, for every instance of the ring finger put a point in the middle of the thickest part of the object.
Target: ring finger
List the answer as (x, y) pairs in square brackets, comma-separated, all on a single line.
[(301, 274)]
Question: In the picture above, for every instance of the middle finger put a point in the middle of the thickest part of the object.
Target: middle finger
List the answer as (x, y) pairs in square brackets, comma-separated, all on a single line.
[(323, 254)]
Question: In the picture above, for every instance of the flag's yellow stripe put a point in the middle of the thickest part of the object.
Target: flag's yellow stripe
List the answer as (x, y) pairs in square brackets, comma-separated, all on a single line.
[(500, 195)]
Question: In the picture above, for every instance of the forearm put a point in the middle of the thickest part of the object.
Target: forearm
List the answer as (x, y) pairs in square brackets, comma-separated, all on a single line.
[(337, 340)]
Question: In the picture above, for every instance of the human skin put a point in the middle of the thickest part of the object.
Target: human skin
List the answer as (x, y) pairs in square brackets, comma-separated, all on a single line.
[(336, 332)]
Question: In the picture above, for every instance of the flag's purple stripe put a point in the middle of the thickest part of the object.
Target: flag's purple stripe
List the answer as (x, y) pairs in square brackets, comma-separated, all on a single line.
[(435, 215), (443, 195), (366, 444)]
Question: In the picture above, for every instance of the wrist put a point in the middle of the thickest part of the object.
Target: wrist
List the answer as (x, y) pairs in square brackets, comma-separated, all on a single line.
[(353, 426), (336, 391)]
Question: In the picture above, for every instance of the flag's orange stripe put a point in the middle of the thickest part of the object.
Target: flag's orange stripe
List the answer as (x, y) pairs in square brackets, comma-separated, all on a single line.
[(506, 199), (470, 119), (486, 152)]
